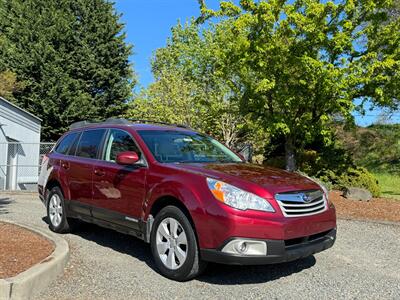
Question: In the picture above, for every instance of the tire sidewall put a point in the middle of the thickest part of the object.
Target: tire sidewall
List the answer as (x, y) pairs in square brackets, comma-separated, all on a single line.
[(182, 273), (61, 227)]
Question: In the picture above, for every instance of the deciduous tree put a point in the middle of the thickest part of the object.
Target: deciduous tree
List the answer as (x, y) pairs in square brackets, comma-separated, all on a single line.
[(299, 63), (187, 88)]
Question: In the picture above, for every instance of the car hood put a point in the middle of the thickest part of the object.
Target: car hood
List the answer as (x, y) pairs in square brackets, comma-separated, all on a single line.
[(272, 179)]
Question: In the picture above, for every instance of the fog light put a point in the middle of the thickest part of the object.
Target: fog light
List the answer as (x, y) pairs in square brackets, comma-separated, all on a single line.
[(246, 247), (241, 247)]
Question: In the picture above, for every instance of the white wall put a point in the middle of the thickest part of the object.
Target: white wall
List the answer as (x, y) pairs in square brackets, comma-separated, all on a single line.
[(3, 158), (25, 128)]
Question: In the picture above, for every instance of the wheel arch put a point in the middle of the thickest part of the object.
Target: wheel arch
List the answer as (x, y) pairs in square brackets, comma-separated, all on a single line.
[(50, 185), (166, 200), (169, 200)]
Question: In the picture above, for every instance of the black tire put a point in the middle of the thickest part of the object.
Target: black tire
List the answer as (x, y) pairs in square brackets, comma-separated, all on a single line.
[(66, 225), (192, 265)]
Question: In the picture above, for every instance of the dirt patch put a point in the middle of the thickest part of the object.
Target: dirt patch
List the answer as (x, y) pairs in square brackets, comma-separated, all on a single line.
[(378, 209), (20, 249)]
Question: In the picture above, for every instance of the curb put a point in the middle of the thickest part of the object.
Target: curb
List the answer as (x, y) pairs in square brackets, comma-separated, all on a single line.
[(39, 276)]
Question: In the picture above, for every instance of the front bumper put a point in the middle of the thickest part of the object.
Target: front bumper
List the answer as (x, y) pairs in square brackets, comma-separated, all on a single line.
[(278, 251)]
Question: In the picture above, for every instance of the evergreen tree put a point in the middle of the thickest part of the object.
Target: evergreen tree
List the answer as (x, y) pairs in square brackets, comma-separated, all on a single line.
[(70, 57)]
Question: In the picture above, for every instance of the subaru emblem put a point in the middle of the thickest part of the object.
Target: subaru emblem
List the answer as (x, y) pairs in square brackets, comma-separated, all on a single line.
[(306, 198)]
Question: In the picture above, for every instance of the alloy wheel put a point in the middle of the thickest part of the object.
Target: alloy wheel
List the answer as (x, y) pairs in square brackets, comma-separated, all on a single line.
[(172, 243), (55, 210)]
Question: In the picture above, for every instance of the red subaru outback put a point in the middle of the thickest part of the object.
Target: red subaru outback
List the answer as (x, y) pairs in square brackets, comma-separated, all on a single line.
[(186, 194)]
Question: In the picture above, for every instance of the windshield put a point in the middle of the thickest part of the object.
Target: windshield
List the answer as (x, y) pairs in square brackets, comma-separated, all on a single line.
[(170, 146)]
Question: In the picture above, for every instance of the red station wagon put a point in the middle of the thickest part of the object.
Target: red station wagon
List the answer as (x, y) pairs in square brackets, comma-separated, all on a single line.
[(194, 200)]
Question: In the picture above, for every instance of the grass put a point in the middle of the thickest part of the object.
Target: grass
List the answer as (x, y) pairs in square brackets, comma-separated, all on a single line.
[(390, 185)]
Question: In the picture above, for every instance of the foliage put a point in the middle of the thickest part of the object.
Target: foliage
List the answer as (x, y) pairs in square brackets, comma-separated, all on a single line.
[(334, 165), (331, 164), (297, 64), (390, 184), (71, 58), (169, 99), (188, 90), (376, 147), (8, 84), (353, 177)]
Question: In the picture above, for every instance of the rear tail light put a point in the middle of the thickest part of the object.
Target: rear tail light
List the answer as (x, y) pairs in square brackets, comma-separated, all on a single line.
[(45, 158)]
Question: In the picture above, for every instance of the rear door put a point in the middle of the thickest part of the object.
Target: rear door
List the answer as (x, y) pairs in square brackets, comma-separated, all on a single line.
[(119, 191), (79, 166), (51, 164)]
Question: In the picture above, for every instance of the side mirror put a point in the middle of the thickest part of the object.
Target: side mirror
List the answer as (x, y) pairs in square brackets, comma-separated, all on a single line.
[(127, 158), (246, 153)]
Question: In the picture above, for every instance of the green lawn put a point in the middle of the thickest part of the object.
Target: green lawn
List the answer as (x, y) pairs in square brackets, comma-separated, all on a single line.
[(390, 185)]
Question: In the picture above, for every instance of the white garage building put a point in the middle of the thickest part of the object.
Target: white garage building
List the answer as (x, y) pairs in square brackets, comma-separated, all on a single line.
[(19, 147)]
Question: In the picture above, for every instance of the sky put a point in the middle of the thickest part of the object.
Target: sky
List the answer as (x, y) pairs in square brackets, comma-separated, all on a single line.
[(148, 24)]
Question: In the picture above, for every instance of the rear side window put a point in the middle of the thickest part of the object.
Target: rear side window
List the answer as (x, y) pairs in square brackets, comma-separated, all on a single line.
[(66, 143), (72, 149), (89, 143)]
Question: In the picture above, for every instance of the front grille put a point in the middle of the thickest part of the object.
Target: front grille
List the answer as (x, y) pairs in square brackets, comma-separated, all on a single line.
[(301, 203)]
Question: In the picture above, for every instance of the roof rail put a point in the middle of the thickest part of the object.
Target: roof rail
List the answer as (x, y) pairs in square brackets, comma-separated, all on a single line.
[(158, 122), (116, 121), (79, 124), (85, 123), (121, 121)]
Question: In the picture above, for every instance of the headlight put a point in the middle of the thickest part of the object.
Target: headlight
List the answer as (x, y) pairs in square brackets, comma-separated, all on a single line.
[(237, 198), (325, 190)]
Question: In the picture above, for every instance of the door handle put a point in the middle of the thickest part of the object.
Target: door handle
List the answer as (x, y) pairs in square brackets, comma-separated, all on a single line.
[(65, 165), (99, 172)]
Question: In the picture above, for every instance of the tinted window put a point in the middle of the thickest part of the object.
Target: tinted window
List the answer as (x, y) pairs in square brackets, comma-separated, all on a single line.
[(118, 141), (181, 146), (89, 143), (66, 143), (72, 149)]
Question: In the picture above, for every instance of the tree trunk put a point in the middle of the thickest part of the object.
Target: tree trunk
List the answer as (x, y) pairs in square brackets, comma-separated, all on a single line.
[(290, 154)]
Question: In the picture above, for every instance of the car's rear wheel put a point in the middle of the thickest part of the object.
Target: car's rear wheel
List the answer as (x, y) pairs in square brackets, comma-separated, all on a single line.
[(56, 213), (174, 245)]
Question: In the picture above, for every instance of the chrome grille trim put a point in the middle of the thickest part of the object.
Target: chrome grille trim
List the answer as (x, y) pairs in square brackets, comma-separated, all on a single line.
[(301, 203)]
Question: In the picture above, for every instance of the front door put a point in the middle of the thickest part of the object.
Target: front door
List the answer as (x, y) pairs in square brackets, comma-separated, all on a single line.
[(118, 191)]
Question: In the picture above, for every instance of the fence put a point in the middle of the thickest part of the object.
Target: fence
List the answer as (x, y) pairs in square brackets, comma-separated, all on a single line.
[(20, 164)]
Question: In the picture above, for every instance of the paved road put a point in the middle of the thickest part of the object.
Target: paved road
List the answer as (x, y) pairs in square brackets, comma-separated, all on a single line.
[(363, 264)]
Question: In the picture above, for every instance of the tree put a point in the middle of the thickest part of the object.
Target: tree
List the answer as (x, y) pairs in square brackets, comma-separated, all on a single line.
[(187, 90), (394, 11), (8, 84), (169, 99), (299, 63), (71, 58)]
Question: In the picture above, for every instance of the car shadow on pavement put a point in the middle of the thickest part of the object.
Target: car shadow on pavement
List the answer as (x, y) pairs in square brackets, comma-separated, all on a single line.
[(3, 205), (214, 273), (114, 240), (233, 275)]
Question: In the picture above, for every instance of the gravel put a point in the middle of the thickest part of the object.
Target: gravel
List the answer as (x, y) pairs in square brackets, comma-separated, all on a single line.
[(363, 264)]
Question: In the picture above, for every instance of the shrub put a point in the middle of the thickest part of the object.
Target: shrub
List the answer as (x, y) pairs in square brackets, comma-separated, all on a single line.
[(331, 164), (353, 177), (360, 177)]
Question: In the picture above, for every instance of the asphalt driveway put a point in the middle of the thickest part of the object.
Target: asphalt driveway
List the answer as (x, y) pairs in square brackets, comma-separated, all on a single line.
[(363, 264)]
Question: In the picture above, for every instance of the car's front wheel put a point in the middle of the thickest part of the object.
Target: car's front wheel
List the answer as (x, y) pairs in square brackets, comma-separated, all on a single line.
[(174, 245)]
